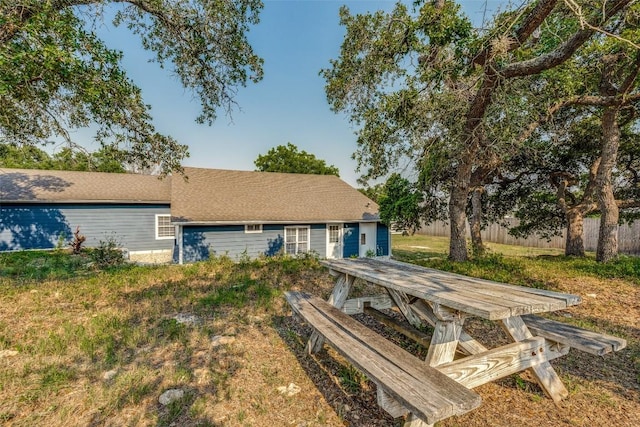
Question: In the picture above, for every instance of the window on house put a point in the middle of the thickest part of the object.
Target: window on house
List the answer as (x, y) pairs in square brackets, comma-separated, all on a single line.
[(334, 234), (164, 229), (296, 240), (363, 239), (253, 228)]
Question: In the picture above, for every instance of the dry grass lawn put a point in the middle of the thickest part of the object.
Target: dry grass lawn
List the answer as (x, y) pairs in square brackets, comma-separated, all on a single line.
[(81, 347)]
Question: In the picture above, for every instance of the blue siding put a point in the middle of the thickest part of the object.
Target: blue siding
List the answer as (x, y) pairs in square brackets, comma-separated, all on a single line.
[(25, 226), (201, 242), (382, 240), (351, 242)]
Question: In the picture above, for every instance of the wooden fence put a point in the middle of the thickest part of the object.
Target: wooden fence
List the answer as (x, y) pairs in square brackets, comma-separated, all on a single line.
[(628, 236)]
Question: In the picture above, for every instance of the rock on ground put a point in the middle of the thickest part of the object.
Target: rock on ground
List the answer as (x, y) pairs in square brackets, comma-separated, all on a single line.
[(171, 396)]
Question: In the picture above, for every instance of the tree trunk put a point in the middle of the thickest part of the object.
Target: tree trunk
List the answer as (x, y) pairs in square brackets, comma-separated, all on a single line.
[(458, 218), (458, 210), (574, 245), (608, 233), (475, 222)]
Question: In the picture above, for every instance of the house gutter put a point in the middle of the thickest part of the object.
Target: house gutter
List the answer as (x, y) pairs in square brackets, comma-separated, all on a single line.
[(332, 221)]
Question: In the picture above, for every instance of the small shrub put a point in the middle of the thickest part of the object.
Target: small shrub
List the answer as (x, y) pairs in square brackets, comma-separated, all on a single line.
[(107, 254), (76, 243), (62, 238)]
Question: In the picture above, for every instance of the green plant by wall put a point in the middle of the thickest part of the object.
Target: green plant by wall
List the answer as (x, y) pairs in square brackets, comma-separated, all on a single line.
[(108, 253)]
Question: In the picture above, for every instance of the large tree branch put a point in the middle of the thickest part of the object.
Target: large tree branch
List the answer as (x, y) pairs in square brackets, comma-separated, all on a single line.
[(545, 62), (628, 83), (533, 20), (628, 204), (565, 50), (16, 16)]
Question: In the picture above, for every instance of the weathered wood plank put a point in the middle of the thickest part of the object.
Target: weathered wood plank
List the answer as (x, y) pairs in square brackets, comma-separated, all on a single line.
[(573, 336), (409, 332), (518, 299), (424, 391), (341, 290), (487, 299), (570, 299), (542, 372), (337, 299), (473, 371), (357, 305)]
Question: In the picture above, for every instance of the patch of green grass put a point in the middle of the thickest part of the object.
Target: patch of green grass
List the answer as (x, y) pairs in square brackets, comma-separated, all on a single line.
[(54, 377), (624, 267), (245, 291), (351, 379), (171, 416), (516, 265), (107, 338), (171, 330), (37, 266), (41, 265), (132, 387)]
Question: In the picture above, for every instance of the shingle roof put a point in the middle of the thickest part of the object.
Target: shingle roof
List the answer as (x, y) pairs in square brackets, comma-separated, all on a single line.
[(213, 195), (29, 185)]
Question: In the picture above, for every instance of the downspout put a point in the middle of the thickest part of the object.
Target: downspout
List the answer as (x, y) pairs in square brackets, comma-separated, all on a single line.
[(180, 244)]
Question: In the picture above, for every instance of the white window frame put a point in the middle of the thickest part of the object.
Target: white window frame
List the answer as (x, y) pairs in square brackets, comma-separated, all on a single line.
[(297, 228), (337, 228), (248, 228), (173, 229)]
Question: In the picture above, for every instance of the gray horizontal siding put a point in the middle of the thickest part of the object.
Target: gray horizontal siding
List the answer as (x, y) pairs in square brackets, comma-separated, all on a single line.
[(25, 226), (202, 242), (318, 239)]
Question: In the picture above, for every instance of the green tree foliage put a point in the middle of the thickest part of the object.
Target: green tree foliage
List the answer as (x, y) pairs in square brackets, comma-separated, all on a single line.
[(400, 204), (31, 157), (24, 157), (425, 87), (589, 107), (287, 159), (57, 75), (374, 192)]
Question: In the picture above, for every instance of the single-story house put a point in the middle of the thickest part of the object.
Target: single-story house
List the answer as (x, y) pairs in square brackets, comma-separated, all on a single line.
[(207, 212), (42, 209)]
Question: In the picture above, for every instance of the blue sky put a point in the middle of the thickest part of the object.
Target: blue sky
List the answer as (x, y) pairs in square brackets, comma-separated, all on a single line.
[(296, 38)]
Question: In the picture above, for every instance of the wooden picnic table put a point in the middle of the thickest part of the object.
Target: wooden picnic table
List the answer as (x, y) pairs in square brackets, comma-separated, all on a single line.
[(445, 300)]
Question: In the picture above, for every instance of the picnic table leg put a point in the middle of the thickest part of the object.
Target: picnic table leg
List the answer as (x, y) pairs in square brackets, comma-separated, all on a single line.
[(413, 421), (543, 372), (466, 344), (337, 299), (445, 336), (402, 302)]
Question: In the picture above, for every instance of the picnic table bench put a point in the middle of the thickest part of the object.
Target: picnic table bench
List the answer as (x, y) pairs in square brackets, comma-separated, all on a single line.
[(439, 387)]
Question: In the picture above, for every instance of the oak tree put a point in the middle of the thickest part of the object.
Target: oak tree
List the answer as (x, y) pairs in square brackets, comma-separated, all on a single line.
[(396, 68), (288, 159), (56, 74)]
